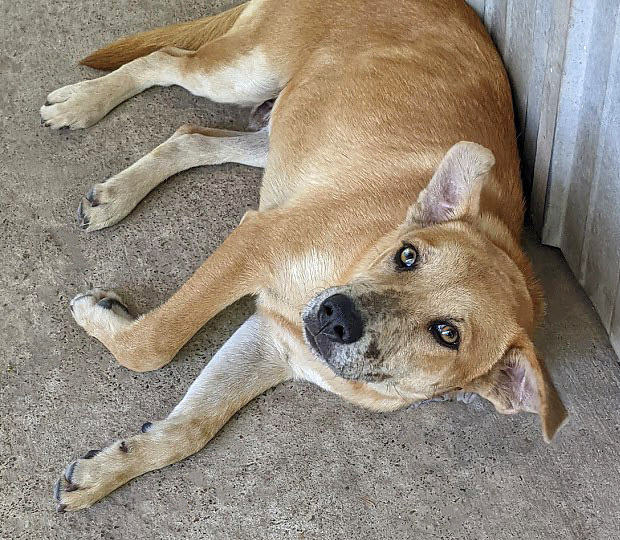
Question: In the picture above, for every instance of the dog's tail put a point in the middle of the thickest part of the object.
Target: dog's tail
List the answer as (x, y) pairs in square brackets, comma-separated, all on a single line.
[(188, 35)]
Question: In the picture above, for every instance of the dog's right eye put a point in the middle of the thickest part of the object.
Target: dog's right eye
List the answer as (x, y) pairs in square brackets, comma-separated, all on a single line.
[(406, 257), (446, 334)]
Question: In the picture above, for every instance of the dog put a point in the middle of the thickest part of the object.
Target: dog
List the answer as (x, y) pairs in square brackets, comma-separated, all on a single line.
[(384, 256)]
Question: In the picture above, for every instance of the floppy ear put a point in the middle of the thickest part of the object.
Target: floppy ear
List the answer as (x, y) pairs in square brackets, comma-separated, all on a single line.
[(519, 382), (454, 190)]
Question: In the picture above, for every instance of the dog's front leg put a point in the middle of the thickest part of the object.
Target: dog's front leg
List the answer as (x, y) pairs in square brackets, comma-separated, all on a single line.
[(247, 365), (240, 266)]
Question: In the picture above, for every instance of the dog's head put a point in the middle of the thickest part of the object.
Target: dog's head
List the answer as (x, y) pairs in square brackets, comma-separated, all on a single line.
[(445, 302)]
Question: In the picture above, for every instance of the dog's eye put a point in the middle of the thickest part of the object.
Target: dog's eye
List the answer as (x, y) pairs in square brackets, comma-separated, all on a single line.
[(406, 257), (445, 334)]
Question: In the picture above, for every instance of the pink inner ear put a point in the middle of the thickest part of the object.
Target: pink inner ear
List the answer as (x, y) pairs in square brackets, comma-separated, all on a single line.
[(441, 199), (519, 385), (439, 211), (449, 195), (444, 195)]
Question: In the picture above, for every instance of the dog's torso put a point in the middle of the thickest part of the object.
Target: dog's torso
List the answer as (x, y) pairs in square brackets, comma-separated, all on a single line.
[(376, 98)]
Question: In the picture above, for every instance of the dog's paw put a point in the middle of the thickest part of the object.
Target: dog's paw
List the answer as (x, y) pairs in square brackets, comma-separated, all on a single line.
[(93, 476), (106, 204), (73, 496), (76, 106), (100, 313)]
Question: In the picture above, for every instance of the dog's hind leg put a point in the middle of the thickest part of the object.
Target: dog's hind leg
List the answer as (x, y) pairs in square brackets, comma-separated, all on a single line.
[(233, 68), (247, 365), (109, 202)]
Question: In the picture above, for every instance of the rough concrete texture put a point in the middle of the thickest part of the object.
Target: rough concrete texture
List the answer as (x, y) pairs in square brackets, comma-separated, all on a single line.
[(297, 462)]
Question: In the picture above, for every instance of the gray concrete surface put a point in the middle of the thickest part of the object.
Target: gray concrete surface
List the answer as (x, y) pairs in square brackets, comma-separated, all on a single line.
[(297, 462)]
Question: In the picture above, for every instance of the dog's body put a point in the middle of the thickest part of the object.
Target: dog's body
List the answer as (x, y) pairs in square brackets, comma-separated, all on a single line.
[(373, 280)]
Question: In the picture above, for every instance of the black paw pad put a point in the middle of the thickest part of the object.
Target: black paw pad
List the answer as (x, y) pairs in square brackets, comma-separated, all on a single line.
[(123, 447), (260, 116), (90, 454), (147, 426)]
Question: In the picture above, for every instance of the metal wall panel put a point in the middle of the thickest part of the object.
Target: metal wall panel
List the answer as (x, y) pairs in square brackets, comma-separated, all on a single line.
[(563, 60)]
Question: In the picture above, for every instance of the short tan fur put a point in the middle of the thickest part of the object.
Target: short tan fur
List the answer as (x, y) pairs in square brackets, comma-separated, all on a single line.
[(385, 253)]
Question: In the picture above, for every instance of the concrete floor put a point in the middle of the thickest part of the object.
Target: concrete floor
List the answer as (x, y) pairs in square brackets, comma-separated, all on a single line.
[(297, 462)]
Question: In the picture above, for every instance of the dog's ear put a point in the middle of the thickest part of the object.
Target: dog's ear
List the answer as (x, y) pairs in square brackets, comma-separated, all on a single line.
[(519, 382), (454, 190)]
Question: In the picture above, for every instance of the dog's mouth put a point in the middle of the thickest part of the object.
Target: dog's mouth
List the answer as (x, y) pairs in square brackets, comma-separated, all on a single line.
[(320, 345), (349, 371), (311, 340)]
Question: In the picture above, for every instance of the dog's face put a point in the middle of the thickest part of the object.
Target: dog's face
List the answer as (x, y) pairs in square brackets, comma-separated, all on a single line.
[(438, 306)]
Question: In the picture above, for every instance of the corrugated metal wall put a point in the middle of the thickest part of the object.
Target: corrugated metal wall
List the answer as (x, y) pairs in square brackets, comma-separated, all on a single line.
[(563, 59)]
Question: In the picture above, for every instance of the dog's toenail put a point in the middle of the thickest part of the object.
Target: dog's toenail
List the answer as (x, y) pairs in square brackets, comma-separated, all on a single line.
[(109, 303), (106, 303), (47, 103), (147, 426), (47, 124), (57, 490), (72, 487), (61, 508), (90, 454), (91, 197), (69, 472), (83, 220), (123, 447)]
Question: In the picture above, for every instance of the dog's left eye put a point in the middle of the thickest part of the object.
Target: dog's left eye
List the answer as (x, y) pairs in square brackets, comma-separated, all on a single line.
[(406, 257)]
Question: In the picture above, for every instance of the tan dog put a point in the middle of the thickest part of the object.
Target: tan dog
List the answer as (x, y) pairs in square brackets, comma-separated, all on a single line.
[(384, 255)]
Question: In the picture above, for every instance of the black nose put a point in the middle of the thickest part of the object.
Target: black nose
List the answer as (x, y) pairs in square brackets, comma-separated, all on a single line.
[(340, 320)]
